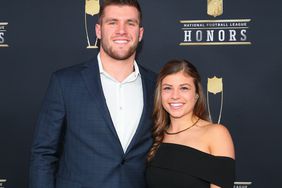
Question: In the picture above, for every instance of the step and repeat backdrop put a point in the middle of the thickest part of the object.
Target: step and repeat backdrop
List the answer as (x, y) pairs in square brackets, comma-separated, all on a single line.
[(236, 46)]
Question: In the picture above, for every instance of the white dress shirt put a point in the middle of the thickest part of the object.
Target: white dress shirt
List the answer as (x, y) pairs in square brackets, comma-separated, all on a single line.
[(125, 102)]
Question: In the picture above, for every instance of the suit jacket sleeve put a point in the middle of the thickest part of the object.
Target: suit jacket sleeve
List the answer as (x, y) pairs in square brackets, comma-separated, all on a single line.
[(48, 138)]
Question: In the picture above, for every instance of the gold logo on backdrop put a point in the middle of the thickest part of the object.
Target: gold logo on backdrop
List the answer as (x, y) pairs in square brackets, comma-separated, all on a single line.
[(212, 32), (215, 86), (215, 7), (92, 8)]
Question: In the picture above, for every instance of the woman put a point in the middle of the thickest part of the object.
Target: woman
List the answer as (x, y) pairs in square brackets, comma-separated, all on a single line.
[(188, 150)]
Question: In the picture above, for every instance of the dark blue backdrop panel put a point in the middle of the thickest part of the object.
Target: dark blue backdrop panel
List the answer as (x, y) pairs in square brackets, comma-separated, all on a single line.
[(47, 35)]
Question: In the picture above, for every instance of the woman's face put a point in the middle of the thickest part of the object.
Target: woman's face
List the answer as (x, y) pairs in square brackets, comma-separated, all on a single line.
[(178, 95)]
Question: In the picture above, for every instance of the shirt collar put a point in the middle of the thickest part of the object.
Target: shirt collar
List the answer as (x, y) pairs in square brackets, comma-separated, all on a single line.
[(131, 77)]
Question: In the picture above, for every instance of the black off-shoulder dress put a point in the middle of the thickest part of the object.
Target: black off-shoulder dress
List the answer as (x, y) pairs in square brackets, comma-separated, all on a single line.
[(179, 166)]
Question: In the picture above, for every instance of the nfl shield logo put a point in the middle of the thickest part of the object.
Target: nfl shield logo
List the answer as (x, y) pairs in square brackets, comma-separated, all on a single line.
[(215, 7), (215, 85)]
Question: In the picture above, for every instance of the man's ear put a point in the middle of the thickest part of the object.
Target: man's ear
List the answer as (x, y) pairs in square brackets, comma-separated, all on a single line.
[(141, 32), (98, 31)]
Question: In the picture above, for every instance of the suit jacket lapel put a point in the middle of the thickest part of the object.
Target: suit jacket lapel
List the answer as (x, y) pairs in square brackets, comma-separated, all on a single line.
[(91, 76), (146, 96)]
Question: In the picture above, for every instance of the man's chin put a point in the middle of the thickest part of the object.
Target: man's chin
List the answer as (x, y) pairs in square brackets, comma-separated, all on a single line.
[(121, 56)]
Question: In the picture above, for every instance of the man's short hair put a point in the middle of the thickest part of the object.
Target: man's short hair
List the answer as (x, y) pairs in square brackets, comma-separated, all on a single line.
[(133, 3)]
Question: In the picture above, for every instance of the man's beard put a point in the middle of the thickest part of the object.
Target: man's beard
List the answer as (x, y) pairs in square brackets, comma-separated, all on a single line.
[(115, 54)]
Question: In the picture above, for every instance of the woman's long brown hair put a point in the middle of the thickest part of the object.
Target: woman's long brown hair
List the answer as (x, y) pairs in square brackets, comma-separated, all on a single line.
[(160, 116)]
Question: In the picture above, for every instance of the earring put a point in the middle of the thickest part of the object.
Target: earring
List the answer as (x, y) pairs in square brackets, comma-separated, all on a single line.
[(196, 97)]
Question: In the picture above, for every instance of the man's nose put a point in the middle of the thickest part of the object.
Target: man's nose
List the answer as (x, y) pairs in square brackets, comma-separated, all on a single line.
[(121, 29)]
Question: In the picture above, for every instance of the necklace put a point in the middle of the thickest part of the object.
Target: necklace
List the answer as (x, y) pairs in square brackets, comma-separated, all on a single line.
[(183, 129)]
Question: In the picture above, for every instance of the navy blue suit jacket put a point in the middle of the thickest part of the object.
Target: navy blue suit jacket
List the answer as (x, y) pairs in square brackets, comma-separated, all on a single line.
[(75, 143)]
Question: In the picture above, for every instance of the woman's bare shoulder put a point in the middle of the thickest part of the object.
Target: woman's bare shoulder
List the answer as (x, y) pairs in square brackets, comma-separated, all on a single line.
[(220, 140)]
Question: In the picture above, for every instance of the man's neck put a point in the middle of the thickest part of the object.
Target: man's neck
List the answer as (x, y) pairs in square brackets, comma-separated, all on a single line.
[(118, 69)]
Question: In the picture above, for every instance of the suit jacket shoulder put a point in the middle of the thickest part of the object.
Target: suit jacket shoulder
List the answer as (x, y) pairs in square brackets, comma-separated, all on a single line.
[(147, 74), (76, 69)]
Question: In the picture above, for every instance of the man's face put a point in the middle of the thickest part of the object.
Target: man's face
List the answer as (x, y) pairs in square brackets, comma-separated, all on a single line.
[(119, 31)]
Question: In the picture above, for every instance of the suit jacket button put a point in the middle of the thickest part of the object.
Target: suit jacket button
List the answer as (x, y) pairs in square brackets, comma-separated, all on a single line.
[(123, 161)]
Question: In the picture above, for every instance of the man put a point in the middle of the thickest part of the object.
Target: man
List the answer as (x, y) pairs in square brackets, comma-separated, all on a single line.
[(94, 129)]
